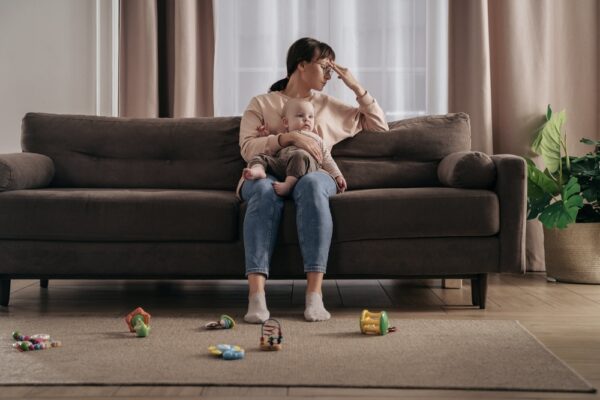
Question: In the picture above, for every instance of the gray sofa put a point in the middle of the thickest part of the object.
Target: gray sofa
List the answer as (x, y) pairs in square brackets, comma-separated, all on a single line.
[(99, 197)]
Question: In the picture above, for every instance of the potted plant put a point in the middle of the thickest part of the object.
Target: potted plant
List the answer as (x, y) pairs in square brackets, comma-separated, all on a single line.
[(565, 197)]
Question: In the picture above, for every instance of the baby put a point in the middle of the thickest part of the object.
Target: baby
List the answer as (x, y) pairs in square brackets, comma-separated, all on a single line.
[(291, 163)]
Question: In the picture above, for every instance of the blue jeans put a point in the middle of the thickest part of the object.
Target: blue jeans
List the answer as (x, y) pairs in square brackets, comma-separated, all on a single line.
[(313, 219)]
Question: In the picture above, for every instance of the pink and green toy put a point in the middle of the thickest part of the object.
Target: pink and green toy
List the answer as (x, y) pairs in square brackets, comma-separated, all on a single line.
[(138, 321)]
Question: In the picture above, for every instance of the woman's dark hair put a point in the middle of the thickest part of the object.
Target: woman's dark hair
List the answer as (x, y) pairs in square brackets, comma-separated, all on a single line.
[(305, 49)]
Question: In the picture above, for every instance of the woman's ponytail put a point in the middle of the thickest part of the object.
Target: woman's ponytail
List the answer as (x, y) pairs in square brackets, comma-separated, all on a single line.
[(279, 85)]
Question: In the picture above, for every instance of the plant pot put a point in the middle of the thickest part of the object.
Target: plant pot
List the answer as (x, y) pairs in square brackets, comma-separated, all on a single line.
[(573, 254)]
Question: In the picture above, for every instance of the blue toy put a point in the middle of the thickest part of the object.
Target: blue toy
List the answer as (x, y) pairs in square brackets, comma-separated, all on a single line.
[(227, 351)]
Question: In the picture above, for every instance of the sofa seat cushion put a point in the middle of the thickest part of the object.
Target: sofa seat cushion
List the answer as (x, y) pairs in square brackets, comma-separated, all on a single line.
[(119, 215), (405, 213)]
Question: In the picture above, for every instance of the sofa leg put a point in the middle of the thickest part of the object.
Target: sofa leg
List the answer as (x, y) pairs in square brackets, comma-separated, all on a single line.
[(44, 283), (4, 292), (479, 290)]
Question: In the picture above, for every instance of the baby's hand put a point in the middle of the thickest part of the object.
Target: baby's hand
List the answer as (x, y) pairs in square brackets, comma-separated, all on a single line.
[(341, 182), (263, 130)]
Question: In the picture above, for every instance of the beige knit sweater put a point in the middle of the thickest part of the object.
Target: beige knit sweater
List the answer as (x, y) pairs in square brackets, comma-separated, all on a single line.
[(334, 121)]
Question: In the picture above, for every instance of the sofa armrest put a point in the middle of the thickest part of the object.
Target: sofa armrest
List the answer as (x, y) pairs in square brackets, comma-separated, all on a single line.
[(25, 171), (511, 188), (467, 170)]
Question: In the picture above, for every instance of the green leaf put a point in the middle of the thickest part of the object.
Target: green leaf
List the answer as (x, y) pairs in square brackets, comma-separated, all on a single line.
[(538, 179), (563, 212), (548, 113), (547, 142), (590, 141)]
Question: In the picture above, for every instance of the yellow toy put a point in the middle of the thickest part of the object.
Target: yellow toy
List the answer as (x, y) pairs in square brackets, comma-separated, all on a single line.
[(375, 323)]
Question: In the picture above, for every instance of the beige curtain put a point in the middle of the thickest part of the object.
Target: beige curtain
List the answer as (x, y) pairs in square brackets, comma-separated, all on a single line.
[(509, 59), (166, 58)]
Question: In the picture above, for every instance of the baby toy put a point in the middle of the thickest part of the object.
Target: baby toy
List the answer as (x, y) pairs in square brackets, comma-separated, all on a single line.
[(271, 333), (40, 341), (375, 323), (225, 322), (138, 321), (227, 351)]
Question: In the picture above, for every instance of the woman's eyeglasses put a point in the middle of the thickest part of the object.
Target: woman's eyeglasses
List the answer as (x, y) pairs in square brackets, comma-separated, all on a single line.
[(327, 70)]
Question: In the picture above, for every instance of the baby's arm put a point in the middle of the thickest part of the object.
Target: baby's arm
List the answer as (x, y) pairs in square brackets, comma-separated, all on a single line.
[(263, 130), (331, 167)]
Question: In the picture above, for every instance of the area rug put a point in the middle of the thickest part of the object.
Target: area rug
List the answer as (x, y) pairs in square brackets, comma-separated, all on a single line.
[(432, 354)]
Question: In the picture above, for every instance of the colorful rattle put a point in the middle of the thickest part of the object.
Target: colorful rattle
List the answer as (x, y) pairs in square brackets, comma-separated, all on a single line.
[(33, 342), (138, 321), (225, 322), (271, 338), (375, 323), (227, 351)]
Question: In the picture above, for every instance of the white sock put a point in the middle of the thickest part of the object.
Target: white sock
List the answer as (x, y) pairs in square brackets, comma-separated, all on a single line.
[(315, 310), (257, 309)]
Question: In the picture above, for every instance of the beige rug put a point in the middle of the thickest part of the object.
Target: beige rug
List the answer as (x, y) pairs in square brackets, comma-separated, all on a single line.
[(438, 354)]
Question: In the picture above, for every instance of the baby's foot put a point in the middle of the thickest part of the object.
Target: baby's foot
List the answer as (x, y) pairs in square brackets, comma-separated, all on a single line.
[(283, 189), (315, 310), (257, 172)]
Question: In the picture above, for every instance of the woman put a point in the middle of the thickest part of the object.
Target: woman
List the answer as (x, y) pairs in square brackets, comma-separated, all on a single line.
[(309, 66)]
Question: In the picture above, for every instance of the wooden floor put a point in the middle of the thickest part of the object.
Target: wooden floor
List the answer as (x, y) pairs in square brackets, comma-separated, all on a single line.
[(565, 317)]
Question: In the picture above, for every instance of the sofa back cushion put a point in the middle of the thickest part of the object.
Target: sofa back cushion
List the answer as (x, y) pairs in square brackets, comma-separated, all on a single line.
[(406, 156), (204, 153), (89, 151)]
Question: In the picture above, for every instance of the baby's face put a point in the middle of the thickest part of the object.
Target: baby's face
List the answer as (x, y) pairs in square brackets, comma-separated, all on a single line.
[(300, 116)]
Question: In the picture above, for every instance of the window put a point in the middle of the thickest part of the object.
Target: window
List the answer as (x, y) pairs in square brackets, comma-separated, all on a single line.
[(397, 49)]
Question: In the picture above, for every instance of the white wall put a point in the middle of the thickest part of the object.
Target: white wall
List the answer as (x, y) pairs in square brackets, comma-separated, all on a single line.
[(47, 61)]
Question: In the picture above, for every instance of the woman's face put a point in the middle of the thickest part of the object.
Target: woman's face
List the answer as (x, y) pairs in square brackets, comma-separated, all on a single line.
[(317, 73)]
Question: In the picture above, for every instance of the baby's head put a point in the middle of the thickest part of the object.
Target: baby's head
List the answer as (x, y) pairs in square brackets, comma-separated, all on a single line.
[(299, 114)]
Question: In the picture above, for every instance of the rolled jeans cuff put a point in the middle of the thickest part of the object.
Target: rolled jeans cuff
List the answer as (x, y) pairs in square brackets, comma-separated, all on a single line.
[(315, 268), (263, 271)]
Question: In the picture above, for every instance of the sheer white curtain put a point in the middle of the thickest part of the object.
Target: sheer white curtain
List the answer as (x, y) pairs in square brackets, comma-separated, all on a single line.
[(397, 49)]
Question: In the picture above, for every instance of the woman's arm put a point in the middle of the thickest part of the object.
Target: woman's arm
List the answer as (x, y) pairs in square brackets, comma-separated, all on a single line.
[(370, 115), (301, 141), (252, 142)]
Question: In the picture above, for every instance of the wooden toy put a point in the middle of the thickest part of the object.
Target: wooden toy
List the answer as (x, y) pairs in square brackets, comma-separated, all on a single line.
[(138, 321), (271, 338), (375, 323), (227, 351)]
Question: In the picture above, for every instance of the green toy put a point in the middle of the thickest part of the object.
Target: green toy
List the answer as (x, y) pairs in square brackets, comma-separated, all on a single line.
[(138, 321)]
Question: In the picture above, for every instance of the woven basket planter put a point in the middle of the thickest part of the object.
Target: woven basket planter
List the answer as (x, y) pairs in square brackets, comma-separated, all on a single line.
[(573, 254)]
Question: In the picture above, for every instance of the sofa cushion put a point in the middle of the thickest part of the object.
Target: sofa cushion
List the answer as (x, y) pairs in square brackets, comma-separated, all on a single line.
[(111, 152), (467, 169), (406, 156), (119, 215), (405, 213), (25, 171)]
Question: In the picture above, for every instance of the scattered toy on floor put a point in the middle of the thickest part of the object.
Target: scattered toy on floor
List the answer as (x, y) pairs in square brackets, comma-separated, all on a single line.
[(375, 323), (271, 337), (40, 341), (225, 322), (227, 351), (138, 321)]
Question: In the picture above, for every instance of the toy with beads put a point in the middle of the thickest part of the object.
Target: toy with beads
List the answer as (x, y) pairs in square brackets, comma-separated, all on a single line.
[(375, 323), (138, 321), (271, 337), (224, 322), (40, 341)]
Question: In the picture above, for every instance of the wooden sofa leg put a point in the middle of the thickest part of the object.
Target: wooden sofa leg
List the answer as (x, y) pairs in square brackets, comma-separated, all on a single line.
[(479, 290), (44, 283), (4, 292)]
